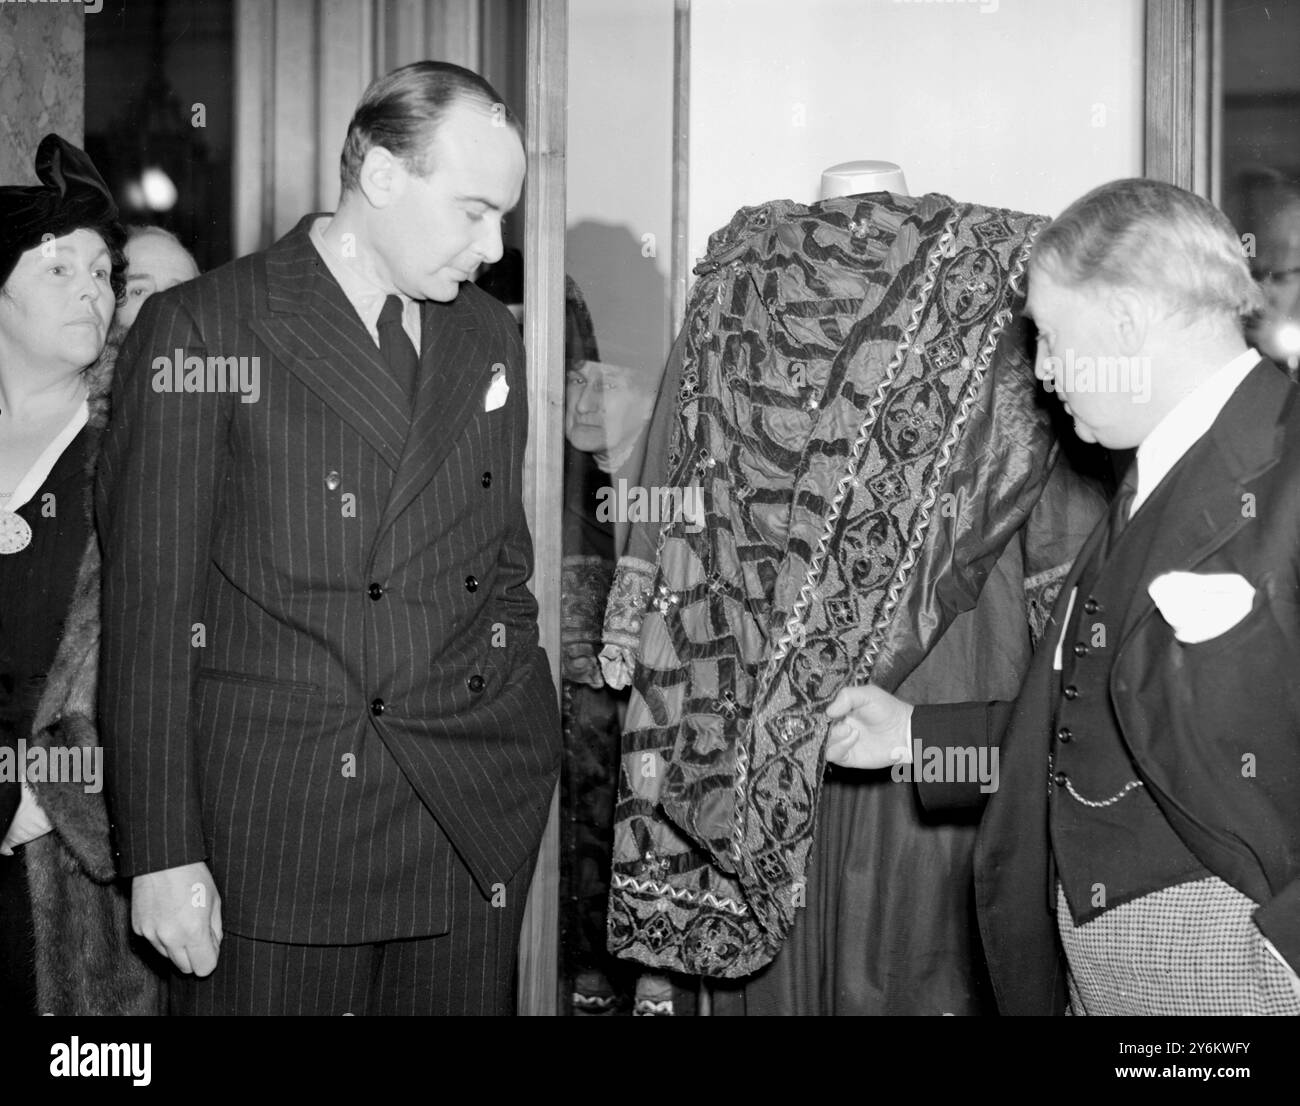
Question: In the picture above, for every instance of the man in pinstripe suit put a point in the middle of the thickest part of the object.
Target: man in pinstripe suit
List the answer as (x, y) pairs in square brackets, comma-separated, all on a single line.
[(332, 735)]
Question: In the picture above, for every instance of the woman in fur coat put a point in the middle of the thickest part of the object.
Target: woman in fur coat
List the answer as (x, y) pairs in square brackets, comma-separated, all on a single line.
[(65, 940)]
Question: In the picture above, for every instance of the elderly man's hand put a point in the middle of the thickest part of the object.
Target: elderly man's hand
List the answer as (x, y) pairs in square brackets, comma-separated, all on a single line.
[(578, 664), (871, 728)]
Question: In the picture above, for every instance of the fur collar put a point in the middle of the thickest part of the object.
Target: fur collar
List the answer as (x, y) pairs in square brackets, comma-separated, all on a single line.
[(99, 380)]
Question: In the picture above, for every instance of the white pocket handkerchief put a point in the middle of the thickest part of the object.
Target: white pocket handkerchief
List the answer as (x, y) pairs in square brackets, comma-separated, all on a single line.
[(497, 392), (1200, 607)]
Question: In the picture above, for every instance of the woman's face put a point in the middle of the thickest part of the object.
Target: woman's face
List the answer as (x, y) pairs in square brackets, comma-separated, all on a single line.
[(57, 304), (606, 406)]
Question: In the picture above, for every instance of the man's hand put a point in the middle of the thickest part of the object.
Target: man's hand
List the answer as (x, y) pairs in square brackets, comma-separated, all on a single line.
[(578, 664), (871, 729), (178, 911)]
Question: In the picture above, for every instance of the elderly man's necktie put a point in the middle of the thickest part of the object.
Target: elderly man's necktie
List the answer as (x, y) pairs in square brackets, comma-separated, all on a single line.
[(1116, 519), (1121, 507)]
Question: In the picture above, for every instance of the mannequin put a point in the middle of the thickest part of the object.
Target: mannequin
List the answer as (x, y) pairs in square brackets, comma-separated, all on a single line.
[(841, 955), (852, 178), (813, 892)]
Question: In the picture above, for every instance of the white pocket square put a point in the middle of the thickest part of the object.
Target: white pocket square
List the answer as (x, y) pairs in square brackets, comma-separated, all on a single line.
[(497, 392), (1201, 607)]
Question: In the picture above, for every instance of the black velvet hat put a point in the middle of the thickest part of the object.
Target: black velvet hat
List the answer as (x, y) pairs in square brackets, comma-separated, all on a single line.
[(71, 195)]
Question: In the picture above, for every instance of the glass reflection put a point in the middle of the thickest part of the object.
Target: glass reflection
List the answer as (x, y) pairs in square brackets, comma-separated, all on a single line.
[(1260, 166)]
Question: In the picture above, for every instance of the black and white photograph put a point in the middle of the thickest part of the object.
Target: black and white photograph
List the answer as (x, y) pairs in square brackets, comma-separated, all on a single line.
[(651, 508)]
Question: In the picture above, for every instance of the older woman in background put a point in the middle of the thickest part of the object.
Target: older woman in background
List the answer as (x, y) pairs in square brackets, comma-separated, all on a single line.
[(65, 945)]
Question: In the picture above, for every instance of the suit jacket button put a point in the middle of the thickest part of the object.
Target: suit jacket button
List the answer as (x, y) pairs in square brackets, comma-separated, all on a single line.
[(375, 591), (487, 480), (1080, 650), (1091, 606), (476, 683), (332, 481), (1064, 734), (1059, 779), (1071, 692), (471, 583), (376, 707)]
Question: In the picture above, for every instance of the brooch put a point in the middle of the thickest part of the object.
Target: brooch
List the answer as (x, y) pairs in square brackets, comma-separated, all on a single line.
[(15, 532)]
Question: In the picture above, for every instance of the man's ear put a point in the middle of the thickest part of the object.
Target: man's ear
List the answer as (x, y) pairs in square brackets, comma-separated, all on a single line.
[(381, 177), (1131, 316)]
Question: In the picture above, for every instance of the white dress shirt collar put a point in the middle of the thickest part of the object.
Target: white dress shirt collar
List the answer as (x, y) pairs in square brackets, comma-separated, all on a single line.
[(367, 297), (35, 477), (1182, 427)]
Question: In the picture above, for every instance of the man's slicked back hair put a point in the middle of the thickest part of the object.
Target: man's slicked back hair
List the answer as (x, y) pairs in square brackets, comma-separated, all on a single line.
[(401, 112)]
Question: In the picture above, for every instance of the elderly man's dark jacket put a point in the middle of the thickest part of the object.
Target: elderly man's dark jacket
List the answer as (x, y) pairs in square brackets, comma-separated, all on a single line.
[(1211, 727), (317, 626)]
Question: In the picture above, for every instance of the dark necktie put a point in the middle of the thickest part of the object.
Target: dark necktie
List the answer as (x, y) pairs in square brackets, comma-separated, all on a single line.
[(395, 345), (1116, 519), (1121, 507)]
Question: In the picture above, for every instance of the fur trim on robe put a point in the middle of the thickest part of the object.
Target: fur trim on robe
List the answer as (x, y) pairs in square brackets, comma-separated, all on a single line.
[(87, 960)]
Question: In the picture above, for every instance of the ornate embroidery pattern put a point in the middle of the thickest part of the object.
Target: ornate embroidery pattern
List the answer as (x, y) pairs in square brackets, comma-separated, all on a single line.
[(1041, 591), (584, 586), (833, 356)]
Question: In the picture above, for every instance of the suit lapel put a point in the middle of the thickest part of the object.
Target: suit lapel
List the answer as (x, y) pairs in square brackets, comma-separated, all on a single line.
[(1211, 477), (454, 376), (1032, 720), (1013, 888), (313, 330), (1201, 504)]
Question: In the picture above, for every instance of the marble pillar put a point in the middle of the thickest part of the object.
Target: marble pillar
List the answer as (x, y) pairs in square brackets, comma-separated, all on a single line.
[(42, 80)]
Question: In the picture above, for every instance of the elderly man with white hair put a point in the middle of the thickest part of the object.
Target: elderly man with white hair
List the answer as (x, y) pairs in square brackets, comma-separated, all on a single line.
[(1141, 851)]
